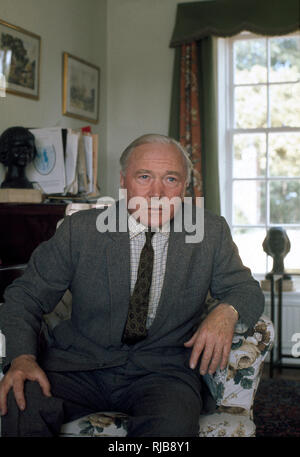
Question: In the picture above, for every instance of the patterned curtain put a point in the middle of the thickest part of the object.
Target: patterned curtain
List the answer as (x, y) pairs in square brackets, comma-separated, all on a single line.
[(190, 122)]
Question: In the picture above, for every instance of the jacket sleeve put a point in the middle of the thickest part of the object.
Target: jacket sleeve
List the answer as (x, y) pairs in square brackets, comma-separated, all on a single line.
[(232, 282), (36, 292)]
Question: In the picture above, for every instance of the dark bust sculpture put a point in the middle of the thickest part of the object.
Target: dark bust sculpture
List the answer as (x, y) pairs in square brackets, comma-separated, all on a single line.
[(277, 245), (17, 149)]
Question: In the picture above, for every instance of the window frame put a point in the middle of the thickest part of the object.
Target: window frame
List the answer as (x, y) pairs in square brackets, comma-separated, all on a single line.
[(227, 130)]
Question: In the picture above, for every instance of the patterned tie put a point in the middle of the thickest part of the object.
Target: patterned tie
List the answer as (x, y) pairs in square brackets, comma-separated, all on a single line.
[(135, 329)]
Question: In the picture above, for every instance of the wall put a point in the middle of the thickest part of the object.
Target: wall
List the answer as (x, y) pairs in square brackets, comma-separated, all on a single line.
[(129, 40), (72, 26), (139, 72)]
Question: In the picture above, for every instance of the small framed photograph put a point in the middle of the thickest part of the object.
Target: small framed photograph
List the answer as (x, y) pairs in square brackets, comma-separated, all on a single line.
[(19, 61), (81, 82)]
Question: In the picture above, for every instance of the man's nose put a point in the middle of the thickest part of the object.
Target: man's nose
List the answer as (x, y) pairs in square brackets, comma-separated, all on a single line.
[(157, 188)]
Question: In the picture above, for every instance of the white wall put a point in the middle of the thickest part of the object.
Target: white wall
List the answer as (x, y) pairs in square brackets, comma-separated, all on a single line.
[(129, 40), (72, 26), (139, 74)]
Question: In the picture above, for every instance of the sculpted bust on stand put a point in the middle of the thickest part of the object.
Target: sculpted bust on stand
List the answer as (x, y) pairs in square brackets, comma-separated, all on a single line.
[(277, 245), (17, 150)]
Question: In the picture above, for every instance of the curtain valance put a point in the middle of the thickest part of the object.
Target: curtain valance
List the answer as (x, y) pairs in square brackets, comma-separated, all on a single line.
[(196, 20)]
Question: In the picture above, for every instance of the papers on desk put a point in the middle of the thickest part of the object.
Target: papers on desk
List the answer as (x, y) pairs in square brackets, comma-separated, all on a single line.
[(88, 149), (71, 162), (48, 168), (66, 162)]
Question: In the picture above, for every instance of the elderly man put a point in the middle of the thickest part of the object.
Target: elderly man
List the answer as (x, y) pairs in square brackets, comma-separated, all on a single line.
[(134, 342)]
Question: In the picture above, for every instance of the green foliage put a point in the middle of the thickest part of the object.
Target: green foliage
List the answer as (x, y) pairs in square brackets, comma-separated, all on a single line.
[(251, 109)]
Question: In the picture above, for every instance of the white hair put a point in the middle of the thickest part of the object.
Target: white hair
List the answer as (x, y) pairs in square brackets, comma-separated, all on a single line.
[(155, 138)]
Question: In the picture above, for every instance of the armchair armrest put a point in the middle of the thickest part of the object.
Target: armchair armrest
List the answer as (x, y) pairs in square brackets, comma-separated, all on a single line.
[(235, 387)]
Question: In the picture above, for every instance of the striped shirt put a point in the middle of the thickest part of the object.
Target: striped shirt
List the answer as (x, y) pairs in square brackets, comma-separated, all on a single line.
[(160, 241)]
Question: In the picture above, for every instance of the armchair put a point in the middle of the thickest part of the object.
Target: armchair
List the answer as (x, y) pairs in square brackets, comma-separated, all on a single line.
[(233, 389)]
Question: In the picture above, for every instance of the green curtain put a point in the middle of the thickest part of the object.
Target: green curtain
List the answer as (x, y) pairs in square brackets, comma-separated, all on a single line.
[(200, 21), (208, 115), (196, 20), (209, 120)]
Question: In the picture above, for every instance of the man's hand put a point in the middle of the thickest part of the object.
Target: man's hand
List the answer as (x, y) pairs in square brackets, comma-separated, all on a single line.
[(22, 368), (213, 338)]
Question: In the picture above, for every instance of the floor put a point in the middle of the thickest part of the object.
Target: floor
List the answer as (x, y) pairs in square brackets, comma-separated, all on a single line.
[(286, 373)]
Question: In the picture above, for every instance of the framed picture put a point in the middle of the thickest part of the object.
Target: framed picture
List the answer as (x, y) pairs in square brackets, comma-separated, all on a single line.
[(19, 61), (81, 81)]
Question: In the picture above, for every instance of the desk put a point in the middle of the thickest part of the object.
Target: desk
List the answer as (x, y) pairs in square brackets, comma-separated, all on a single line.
[(276, 280), (22, 228)]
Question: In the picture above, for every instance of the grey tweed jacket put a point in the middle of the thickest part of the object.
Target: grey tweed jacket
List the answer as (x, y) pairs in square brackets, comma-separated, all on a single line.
[(95, 267)]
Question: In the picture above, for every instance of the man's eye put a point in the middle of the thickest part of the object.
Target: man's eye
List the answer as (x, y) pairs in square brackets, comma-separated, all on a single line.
[(171, 179), (144, 177)]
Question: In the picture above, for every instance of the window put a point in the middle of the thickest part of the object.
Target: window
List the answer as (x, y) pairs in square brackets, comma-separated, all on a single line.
[(263, 144)]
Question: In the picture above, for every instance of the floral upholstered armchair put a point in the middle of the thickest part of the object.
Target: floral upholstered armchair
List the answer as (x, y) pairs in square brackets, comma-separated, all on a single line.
[(233, 389)]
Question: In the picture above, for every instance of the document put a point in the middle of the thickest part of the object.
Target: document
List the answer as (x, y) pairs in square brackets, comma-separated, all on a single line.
[(47, 171), (95, 164), (71, 156), (88, 147)]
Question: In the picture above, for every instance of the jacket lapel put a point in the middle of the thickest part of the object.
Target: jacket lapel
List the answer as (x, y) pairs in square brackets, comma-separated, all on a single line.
[(118, 266)]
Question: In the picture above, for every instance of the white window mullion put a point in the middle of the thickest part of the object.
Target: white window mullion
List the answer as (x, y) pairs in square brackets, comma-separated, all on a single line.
[(231, 118), (268, 82)]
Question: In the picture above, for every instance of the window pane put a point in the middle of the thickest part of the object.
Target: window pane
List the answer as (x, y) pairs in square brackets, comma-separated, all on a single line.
[(285, 59), (285, 202), (249, 202), (250, 107), (249, 155), (285, 105), (265, 165), (284, 154), (250, 61), (292, 260), (249, 242)]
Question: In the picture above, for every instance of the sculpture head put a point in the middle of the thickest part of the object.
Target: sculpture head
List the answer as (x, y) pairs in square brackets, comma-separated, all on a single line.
[(17, 149), (276, 242), (277, 245)]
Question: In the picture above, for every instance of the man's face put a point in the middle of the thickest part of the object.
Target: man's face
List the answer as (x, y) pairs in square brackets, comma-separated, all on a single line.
[(157, 173)]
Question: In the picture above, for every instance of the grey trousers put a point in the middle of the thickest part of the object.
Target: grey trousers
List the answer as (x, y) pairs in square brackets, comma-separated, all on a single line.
[(157, 405)]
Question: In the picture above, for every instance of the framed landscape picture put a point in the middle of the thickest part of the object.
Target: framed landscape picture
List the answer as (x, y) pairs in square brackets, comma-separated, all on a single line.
[(19, 60), (81, 81)]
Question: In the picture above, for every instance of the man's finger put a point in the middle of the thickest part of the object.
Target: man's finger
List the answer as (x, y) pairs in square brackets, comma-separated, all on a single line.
[(215, 359), (191, 341), (225, 357), (3, 399), (45, 384), (196, 352), (206, 358), (18, 388)]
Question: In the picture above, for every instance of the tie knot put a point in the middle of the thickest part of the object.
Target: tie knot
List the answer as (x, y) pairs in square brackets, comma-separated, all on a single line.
[(149, 236)]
